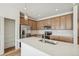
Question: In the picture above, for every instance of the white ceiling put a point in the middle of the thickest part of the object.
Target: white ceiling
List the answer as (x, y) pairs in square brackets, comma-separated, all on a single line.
[(42, 10)]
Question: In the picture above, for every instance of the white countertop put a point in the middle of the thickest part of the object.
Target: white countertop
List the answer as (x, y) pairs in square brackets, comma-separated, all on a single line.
[(60, 49)]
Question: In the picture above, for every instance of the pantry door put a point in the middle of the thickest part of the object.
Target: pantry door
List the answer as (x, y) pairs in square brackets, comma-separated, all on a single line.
[(1, 35)]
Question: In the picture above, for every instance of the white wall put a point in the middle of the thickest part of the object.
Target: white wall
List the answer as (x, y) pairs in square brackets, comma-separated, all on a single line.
[(75, 25), (6, 10), (78, 21), (11, 10)]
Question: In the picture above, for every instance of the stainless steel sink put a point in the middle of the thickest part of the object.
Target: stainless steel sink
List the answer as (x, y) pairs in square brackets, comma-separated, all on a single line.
[(47, 41)]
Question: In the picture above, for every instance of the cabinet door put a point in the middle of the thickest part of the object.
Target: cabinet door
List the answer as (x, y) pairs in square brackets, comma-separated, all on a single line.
[(62, 22), (47, 22), (69, 22), (57, 23), (43, 23), (34, 25), (30, 23), (39, 25), (23, 21), (26, 22), (53, 23)]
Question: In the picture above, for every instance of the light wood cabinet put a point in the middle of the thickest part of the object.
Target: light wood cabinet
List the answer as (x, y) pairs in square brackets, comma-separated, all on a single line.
[(42, 23), (23, 21), (57, 23), (47, 22), (62, 22), (39, 25), (52, 23), (69, 22), (61, 38), (32, 24)]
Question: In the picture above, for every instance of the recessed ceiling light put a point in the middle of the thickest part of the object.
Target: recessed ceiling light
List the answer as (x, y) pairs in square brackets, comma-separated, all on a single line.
[(38, 15), (56, 9), (25, 8)]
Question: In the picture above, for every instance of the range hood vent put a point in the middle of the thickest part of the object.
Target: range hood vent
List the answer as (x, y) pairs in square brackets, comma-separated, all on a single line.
[(47, 27)]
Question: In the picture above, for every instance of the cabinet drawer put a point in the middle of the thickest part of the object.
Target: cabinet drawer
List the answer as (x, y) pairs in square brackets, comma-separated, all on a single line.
[(62, 38)]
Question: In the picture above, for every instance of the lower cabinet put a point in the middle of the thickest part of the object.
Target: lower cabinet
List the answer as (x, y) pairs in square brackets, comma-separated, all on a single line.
[(62, 38)]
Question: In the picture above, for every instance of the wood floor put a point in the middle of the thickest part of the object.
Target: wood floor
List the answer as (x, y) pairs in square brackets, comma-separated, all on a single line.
[(78, 40), (9, 49), (12, 52)]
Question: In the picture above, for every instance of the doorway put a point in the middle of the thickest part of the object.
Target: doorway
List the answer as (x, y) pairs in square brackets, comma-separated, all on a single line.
[(9, 35)]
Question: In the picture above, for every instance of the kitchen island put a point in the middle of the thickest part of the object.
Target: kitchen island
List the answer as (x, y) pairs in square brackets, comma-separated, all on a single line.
[(32, 46)]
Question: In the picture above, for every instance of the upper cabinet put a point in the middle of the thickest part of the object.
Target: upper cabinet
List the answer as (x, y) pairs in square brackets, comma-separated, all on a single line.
[(66, 22), (46, 22), (63, 22), (23, 21), (40, 25), (43, 23), (32, 24), (57, 23), (69, 22), (52, 23)]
